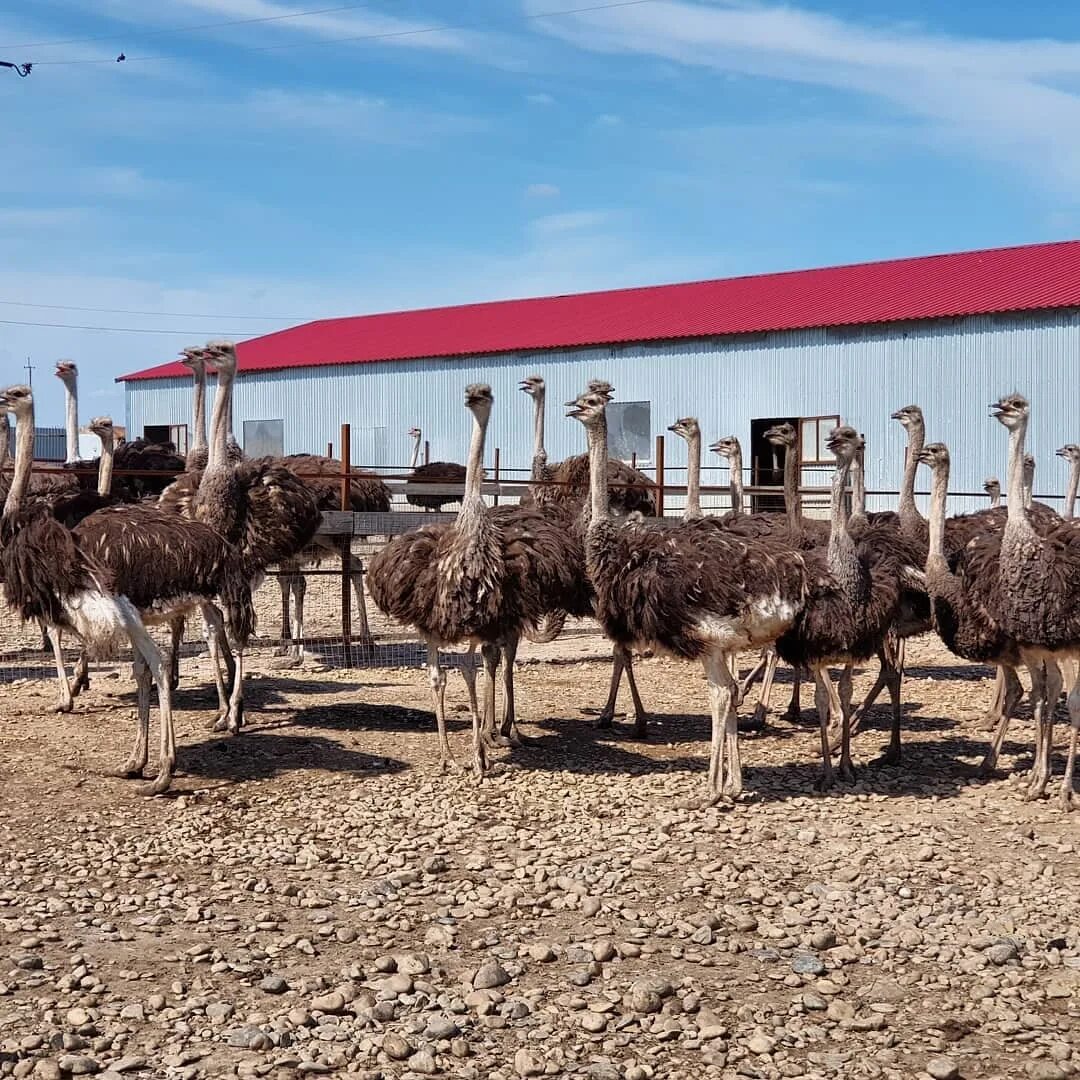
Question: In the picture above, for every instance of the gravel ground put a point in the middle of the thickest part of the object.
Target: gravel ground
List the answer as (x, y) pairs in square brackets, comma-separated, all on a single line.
[(314, 898)]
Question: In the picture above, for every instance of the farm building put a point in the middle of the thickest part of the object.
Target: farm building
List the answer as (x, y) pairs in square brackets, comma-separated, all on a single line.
[(847, 343)]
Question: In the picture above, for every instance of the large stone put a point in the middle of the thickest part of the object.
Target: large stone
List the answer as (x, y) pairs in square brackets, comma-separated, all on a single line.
[(491, 976), (943, 1068)]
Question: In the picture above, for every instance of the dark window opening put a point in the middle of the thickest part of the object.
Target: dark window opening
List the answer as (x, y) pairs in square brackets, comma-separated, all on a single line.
[(264, 438), (630, 430), (174, 435), (767, 464)]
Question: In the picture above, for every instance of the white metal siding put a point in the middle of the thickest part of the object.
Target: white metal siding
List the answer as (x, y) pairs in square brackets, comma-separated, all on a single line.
[(953, 368)]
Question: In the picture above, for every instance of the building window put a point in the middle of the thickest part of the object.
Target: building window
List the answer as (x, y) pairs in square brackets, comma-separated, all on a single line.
[(630, 430), (264, 438), (814, 434), (174, 435)]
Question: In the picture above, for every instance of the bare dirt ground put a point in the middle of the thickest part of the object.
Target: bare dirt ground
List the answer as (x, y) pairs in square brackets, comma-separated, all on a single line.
[(313, 897)]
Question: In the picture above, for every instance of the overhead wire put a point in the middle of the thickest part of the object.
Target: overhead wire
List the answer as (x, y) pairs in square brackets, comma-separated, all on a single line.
[(124, 329), (159, 314), (380, 36)]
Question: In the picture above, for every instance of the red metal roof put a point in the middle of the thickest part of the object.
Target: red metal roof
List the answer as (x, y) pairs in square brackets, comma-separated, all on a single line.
[(1032, 277)]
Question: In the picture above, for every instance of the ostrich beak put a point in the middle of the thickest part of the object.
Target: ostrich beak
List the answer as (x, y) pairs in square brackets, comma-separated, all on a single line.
[(896, 415)]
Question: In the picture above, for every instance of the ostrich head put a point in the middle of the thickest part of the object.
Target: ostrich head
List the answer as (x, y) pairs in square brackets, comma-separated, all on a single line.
[(18, 400), (686, 428), (533, 385), (1029, 469), (844, 443), (936, 454), (479, 399), (193, 357), (726, 447), (602, 387), (414, 433), (909, 416), (102, 427), (782, 435), (1011, 410), (66, 371), (991, 485), (221, 357), (588, 407), (1070, 451)]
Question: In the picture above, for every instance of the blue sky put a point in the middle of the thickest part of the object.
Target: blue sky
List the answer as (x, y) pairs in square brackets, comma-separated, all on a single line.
[(259, 174)]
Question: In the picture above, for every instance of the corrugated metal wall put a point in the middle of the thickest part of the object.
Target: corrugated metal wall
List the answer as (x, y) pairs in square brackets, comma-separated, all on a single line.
[(953, 368)]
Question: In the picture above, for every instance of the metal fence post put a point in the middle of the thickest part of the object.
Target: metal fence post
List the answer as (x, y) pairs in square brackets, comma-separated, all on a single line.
[(346, 540), (496, 471), (659, 475)]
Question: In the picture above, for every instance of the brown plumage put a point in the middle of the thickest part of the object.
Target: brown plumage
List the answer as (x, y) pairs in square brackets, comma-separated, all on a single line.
[(693, 593), (52, 575), (367, 493), (853, 602), (1039, 581), (433, 472), (482, 580)]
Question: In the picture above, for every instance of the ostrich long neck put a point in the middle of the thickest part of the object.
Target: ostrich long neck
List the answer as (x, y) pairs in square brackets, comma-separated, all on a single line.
[(105, 466), (198, 407), (995, 498), (736, 479), (693, 475), (858, 487), (1070, 491), (792, 498), (472, 501), (1016, 511), (539, 459), (906, 507), (5, 431), (24, 456), (841, 549), (416, 450), (598, 466), (221, 424), (71, 418), (935, 558)]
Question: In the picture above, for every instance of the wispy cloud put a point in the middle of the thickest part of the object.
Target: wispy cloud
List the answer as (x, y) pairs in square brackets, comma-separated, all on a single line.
[(539, 99), (542, 191), (1001, 99), (572, 221), (42, 218)]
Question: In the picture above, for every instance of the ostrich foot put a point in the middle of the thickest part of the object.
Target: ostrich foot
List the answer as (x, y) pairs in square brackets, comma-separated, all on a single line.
[(64, 705), (604, 721), (756, 722), (988, 766), (704, 802), (825, 782), (449, 764), (130, 770), (231, 722), (988, 723), (162, 783), (847, 772), (79, 685), (892, 756), (641, 726)]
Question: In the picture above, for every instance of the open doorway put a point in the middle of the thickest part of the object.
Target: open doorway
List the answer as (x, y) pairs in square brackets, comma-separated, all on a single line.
[(767, 463), (175, 435)]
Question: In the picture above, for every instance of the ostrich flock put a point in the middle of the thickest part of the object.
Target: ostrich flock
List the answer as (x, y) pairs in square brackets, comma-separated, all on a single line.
[(1000, 586)]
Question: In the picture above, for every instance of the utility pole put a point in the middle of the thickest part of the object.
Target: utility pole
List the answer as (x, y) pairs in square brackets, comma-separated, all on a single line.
[(29, 372)]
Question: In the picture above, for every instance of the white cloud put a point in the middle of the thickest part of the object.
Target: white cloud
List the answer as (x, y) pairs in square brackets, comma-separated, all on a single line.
[(994, 98), (542, 191), (41, 217), (539, 99), (608, 120)]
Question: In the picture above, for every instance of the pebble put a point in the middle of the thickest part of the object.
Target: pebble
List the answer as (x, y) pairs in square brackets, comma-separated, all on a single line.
[(490, 976), (593, 1022), (273, 984), (1045, 1070), (423, 1062), (943, 1068), (808, 965), (79, 1066), (332, 1003), (526, 1063), (396, 1047)]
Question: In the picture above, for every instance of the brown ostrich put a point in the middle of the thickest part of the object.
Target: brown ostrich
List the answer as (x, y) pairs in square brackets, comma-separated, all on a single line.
[(482, 580), (425, 480), (50, 576), (692, 593), (1071, 453), (1039, 581)]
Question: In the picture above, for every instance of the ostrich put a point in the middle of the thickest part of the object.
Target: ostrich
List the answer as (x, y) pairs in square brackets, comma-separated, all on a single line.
[(418, 487), (50, 575), (1071, 453), (570, 501), (730, 448), (483, 580), (688, 428), (691, 593), (1039, 582), (260, 507), (992, 487), (849, 610)]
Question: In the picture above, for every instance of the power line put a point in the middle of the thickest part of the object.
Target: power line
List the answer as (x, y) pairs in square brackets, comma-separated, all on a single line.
[(384, 36), (124, 329), (187, 29), (159, 314)]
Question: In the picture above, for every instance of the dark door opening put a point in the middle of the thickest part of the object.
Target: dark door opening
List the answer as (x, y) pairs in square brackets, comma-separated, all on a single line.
[(174, 435), (767, 463)]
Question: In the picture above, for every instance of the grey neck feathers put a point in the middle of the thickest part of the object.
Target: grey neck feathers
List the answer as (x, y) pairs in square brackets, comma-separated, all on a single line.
[(539, 460), (198, 407), (840, 544), (1015, 509), (24, 456), (105, 466), (858, 488), (598, 463), (693, 476), (71, 418), (5, 433), (916, 432), (995, 498), (938, 493), (1070, 491), (736, 480), (221, 424), (792, 478), (472, 502), (416, 450)]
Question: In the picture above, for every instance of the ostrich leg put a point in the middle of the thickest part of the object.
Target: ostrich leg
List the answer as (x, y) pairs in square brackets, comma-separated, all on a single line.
[(755, 673), (847, 768), (285, 584), (641, 717), (298, 584), (990, 721), (65, 703), (761, 710), (81, 680), (1068, 796), (510, 736), (1045, 687), (830, 711), (437, 679), (217, 642), (132, 769), (468, 673), (176, 639), (490, 655), (1010, 697), (725, 766), (607, 716), (361, 602), (794, 709)]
